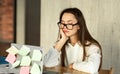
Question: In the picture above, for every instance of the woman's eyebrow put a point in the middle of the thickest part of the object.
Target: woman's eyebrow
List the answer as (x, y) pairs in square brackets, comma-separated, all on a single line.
[(67, 21)]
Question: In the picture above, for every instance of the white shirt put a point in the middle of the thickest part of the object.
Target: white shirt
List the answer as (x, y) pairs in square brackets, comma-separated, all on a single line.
[(74, 53), (75, 56)]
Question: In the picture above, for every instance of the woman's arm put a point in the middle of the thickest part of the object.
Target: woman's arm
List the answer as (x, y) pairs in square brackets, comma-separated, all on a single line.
[(62, 41), (51, 59), (92, 63)]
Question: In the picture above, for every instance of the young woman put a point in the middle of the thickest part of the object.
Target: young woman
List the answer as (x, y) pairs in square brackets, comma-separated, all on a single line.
[(75, 47)]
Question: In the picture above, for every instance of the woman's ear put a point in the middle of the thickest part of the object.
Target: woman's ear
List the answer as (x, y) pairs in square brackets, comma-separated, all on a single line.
[(78, 27)]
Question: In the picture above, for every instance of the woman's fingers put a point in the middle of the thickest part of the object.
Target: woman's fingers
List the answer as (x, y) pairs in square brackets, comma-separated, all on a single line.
[(63, 34)]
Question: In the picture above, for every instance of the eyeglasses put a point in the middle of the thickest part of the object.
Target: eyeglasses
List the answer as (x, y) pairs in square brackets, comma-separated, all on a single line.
[(68, 26)]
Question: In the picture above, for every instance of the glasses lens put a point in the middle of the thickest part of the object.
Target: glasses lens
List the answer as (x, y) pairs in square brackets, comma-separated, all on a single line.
[(60, 25), (69, 26)]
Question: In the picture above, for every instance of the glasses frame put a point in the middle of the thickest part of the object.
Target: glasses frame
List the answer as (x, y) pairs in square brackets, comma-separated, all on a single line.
[(65, 25)]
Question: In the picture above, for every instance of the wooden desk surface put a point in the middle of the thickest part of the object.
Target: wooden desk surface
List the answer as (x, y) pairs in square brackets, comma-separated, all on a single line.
[(63, 70)]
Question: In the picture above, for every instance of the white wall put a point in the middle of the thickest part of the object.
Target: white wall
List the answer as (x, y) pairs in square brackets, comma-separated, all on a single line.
[(102, 18), (20, 22)]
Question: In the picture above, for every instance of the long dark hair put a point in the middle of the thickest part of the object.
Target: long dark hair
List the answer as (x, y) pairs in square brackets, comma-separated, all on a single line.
[(83, 34)]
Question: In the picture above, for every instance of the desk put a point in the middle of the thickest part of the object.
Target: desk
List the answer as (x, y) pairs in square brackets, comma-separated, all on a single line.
[(62, 70)]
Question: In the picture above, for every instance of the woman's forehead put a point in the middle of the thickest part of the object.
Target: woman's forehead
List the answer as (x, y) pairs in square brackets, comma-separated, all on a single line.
[(68, 17)]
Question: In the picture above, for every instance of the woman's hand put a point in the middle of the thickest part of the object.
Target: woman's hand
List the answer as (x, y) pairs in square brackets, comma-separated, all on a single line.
[(62, 41), (70, 66), (63, 35)]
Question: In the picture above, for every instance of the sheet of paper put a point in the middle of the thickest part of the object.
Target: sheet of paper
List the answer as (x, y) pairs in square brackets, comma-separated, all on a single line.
[(35, 69), (11, 58), (24, 50), (12, 50), (16, 64), (24, 70), (37, 55), (25, 61)]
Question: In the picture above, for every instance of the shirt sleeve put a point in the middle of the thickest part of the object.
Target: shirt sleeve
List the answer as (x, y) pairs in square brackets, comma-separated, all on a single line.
[(92, 63), (51, 59)]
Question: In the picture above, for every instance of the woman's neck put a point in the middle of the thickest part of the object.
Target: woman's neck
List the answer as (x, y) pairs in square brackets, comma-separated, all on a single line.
[(74, 40)]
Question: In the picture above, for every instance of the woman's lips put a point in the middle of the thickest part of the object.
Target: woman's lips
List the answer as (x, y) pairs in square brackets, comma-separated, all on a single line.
[(65, 31)]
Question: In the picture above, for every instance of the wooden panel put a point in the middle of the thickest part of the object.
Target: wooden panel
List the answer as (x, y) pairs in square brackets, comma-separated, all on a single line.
[(32, 21)]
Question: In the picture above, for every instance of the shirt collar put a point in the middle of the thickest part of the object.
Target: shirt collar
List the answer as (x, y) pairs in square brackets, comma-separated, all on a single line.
[(76, 44)]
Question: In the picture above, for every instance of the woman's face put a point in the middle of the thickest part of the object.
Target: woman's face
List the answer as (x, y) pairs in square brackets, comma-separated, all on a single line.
[(69, 18)]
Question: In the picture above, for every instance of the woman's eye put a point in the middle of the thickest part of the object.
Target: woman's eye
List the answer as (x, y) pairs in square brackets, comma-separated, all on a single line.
[(70, 23)]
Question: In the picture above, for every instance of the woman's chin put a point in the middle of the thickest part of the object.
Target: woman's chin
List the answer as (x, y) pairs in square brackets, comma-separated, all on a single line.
[(67, 35)]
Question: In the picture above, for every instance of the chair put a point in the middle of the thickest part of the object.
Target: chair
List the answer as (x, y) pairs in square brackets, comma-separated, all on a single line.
[(105, 71), (111, 71)]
